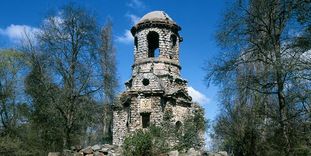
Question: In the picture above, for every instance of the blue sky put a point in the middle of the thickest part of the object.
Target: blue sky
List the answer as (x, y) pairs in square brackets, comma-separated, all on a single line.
[(198, 18)]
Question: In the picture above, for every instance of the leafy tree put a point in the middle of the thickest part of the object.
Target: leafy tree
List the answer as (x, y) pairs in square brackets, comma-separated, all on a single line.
[(44, 118), (11, 63), (13, 111)]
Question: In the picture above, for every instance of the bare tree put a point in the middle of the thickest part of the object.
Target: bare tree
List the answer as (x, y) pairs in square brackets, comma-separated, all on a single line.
[(108, 66), (70, 41), (261, 57)]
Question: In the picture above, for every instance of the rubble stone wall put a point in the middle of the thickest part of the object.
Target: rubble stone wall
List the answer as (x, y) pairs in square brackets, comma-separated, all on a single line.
[(119, 126)]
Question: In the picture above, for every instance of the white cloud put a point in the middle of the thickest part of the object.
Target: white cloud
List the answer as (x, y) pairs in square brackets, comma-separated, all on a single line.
[(17, 33), (134, 19), (136, 4), (126, 37), (197, 96)]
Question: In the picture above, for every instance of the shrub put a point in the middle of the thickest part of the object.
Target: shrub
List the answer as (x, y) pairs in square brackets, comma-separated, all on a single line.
[(138, 144), (151, 141)]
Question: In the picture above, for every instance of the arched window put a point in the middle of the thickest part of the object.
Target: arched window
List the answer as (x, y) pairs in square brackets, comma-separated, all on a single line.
[(173, 40), (153, 44), (178, 126)]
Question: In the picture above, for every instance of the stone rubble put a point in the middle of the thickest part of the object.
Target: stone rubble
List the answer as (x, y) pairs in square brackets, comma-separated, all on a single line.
[(112, 150), (96, 150)]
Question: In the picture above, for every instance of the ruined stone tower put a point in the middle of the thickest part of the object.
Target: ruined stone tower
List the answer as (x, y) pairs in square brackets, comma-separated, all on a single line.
[(156, 85)]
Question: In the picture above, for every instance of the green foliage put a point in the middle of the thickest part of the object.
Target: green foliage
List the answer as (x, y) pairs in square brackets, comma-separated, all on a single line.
[(11, 63), (43, 113), (160, 139), (138, 144), (193, 127), (11, 60), (12, 146), (151, 141)]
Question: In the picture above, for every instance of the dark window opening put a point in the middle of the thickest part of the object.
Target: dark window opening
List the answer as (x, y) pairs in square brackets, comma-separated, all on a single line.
[(126, 104), (145, 117), (130, 84), (173, 40), (178, 126), (153, 44), (163, 103), (136, 42), (145, 82)]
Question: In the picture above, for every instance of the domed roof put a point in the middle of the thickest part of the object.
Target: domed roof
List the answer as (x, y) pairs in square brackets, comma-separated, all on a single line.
[(156, 16), (155, 19)]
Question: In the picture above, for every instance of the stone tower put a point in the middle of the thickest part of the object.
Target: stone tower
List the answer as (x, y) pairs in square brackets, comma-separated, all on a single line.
[(156, 85)]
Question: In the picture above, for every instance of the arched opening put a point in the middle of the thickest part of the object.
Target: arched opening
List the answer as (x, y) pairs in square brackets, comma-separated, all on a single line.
[(178, 126), (173, 40), (153, 44)]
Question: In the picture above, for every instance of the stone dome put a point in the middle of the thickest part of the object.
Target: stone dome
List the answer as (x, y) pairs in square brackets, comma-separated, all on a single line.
[(155, 19), (156, 16)]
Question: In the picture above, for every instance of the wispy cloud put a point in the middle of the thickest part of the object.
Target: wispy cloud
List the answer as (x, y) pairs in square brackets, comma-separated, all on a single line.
[(17, 33), (133, 18), (126, 38), (198, 96), (136, 4)]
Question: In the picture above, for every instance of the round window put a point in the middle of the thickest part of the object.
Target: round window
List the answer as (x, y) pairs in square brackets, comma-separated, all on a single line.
[(145, 82)]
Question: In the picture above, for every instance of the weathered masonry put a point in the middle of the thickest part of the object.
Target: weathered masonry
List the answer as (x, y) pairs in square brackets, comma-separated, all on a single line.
[(156, 85)]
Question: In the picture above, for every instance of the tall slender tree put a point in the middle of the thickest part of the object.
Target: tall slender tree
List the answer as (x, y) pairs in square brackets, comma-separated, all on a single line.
[(108, 66)]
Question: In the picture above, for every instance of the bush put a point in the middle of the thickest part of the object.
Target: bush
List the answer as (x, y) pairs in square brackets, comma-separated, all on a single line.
[(138, 144), (151, 141), (12, 146)]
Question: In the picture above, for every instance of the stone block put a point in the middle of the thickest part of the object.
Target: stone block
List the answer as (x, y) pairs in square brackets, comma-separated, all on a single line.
[(54, 154), (173, 153)]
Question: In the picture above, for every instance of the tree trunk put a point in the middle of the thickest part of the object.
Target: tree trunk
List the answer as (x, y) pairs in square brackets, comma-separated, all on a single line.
[(281, 98)]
